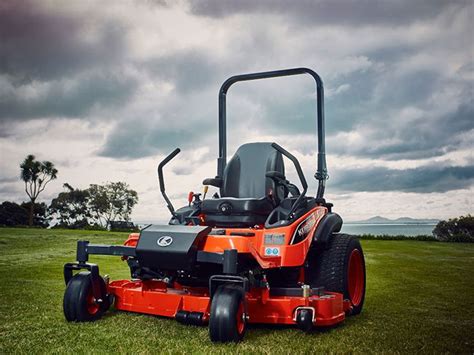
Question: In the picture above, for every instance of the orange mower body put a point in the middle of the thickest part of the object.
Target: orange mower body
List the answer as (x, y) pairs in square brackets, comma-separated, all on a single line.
[(260, 250)]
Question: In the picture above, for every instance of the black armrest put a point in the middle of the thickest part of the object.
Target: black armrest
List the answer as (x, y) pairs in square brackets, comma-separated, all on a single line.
[(217, 181), (275, 175)]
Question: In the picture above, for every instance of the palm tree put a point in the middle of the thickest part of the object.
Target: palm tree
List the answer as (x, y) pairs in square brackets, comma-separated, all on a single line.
[(36, 176)]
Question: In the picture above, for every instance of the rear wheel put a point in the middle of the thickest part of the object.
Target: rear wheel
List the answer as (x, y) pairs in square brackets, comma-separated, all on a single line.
[(340, 267), (228, 320), (79, 304)]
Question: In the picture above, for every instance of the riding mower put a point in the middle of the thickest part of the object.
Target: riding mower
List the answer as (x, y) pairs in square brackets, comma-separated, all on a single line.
[(259, 251)]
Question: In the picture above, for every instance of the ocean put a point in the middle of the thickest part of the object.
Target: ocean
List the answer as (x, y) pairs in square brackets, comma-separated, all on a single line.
[(390, 229)]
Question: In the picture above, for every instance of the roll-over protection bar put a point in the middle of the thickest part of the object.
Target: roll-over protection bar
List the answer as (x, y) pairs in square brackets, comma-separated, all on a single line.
[(321, 172)]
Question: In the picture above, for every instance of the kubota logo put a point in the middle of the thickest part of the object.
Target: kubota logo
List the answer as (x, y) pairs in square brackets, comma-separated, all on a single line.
[(164, 241)]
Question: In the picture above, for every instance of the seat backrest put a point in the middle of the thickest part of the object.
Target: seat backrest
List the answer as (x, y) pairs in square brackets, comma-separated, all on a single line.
[(244, 175)]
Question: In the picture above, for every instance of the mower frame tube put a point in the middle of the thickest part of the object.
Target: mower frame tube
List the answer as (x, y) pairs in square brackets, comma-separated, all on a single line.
[(228, 259), (94, 275), (321, 173), (216, 280), (84, 249)]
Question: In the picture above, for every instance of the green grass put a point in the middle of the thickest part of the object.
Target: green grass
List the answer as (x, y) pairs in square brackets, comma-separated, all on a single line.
[(420, 298)]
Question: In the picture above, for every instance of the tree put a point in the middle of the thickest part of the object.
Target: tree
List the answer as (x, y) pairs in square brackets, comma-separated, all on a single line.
[(70, 208), (109, 202), (99, 205), (13, 214), (36, 176), (456, 230), (40, 217)]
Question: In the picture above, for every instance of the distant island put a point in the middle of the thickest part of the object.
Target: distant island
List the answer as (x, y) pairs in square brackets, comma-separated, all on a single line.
[(401, 220)]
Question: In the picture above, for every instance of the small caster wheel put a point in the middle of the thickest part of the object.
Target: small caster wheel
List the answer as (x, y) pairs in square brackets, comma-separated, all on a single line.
[(228, 321), (79, 304), (304, 319)]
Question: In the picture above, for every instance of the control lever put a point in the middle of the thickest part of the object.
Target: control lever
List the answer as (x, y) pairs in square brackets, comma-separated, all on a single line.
[(194, 199), (162, 181)]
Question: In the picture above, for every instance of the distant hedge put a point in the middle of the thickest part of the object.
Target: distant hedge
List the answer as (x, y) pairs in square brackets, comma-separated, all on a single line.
[(424, 238)]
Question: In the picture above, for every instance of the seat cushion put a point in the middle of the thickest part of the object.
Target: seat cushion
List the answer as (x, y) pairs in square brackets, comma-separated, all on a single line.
[(236, 212)]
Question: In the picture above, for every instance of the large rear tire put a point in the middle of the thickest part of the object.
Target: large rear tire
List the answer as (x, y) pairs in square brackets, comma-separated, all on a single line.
[(79, 304), (339, 267), (228, 321)]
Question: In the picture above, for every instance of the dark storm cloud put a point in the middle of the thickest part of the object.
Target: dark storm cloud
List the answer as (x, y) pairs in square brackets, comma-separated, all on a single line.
[(142, 138), (428, 136), (422, 180), (373, 105), (54, 64), (40, 44), (186, 119), (138, 140), (61, 99), (188, 69), (377, 94), (340, 12), (53, 69)]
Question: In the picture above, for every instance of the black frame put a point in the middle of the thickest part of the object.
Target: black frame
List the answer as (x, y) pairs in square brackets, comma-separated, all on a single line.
[(321, 173)]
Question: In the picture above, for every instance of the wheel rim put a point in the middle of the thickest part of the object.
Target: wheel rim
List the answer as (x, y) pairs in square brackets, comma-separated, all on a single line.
[(92, 306), (355, 277), (240, 319)]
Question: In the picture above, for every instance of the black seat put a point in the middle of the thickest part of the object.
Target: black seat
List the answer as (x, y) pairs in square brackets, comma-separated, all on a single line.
[(247, 195)]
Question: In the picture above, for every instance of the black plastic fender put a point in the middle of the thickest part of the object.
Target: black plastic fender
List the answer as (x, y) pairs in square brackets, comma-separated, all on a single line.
[(330, 223)]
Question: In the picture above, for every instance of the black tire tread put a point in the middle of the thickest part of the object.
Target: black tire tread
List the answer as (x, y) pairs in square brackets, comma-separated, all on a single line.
[(222, 324), (327, 266), (74, 301)]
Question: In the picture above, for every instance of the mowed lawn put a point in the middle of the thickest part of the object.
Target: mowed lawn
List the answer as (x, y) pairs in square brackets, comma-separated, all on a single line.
[(420, 298)]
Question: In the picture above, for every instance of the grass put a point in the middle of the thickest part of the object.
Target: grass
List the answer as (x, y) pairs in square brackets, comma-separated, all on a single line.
[(420, 298)]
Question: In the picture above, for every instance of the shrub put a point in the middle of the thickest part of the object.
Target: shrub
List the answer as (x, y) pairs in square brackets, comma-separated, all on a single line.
[(459, 230)]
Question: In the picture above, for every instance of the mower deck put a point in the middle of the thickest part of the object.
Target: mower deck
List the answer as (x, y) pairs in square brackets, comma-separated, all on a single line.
[(155, 297)]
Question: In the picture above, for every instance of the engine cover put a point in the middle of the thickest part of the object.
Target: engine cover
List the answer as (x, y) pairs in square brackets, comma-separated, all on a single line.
[(169, 247)]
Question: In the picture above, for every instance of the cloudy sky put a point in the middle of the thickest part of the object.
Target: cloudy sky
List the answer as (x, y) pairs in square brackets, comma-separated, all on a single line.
[(105, 89)]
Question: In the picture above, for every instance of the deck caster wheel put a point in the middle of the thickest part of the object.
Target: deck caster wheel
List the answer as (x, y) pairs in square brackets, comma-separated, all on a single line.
[(79, 304), (304, 319), (228, 321)]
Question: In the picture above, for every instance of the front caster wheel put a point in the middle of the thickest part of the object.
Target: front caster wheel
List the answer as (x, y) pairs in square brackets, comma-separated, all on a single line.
[(228, 320), (79, 304), (304, 319)]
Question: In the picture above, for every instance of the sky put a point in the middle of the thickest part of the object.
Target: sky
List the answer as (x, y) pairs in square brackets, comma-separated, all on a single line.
[(106, 89)]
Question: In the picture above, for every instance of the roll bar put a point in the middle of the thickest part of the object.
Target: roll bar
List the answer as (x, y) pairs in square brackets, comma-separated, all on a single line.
[(321, 172)]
